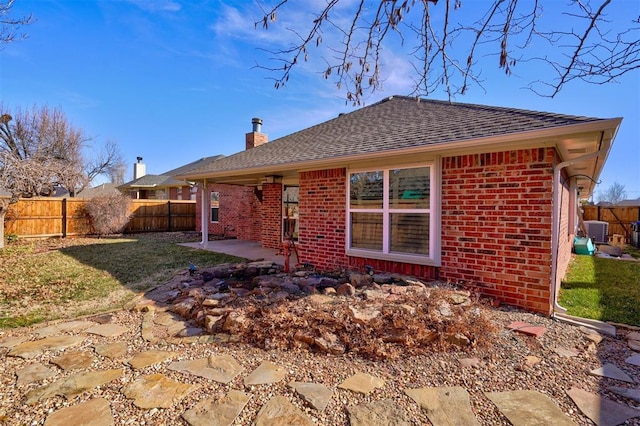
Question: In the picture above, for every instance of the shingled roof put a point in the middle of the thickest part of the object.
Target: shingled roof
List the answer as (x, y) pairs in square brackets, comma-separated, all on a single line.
[(393, 124)]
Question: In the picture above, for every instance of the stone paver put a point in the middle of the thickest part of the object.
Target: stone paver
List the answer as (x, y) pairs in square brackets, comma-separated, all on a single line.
[(566, 352), (316, 394), (32, 373), (73, 360), (634, 345), (64, 327), (11, 342), (362, 383), (383, 412), (157, 391), (526, 328), (470, 362), (221, 368), (34, 348), (107, 330), (626, 392), (209, 412), (279, 411), (73, 385), (95, 412), (266, 373), (445, 406), (527, 407), (147, 358), (633, 360), (146, 329), (112, 350), (602, 411), (612, 372)]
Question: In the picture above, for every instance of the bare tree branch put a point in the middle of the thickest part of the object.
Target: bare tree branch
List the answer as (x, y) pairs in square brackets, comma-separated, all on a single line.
[(9, 26), (451, 50)]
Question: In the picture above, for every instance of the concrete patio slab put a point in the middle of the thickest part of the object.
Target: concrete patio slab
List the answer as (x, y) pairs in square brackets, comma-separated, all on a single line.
[(251, 250)]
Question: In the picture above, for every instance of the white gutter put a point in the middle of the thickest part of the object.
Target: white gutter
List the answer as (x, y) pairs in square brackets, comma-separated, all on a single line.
[(555, 232)]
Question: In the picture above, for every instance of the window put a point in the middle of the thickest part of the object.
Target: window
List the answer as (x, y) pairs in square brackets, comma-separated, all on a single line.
[(290, 213), (391, 214), (215, 206), (179, 193)]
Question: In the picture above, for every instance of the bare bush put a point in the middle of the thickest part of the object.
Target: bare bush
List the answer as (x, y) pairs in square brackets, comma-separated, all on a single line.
[(109, 213)]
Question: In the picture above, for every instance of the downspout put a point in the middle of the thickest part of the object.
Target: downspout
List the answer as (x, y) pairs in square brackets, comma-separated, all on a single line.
[(555, 231), (204, 222)]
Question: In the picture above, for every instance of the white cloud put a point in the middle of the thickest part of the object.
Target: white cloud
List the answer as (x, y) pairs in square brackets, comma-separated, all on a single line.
[(157, 5)]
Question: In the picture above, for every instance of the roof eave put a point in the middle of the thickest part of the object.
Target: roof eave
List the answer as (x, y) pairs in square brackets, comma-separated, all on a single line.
[(473, 143)]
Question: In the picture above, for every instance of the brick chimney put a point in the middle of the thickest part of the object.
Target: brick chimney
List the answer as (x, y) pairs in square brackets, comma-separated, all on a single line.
[(256, 137)]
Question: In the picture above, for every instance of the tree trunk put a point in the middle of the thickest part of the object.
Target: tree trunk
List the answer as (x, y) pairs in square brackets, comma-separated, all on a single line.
[(3, 213)]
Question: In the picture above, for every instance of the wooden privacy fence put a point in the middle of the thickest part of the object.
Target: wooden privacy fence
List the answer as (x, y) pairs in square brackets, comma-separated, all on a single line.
[(619, 218), (62, 217)]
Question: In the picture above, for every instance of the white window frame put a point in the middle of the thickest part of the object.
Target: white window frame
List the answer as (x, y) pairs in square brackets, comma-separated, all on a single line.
[(434, 211)]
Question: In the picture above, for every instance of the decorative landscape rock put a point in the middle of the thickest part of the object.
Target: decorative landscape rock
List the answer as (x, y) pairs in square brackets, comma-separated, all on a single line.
[(33, 373), (147, 358), (279, 411), (445, 406), (266, 373), (156, 391), (362, 383), (602, 411), (221, 368), (317, 395), (566, 352), (95, 412), (527, 407), (73, 385), (383, 412), (223, 412), (36, 347)]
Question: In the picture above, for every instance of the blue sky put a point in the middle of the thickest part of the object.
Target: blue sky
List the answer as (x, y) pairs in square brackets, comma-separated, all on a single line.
[(175, 81)]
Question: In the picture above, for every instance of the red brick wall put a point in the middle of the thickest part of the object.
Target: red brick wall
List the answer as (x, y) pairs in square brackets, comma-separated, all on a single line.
[(271, 215), (239, 212), (322, 218), (496, 224), (565, 235)]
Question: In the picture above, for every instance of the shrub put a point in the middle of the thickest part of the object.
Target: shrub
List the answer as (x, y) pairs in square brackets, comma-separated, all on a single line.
[(109, 213)]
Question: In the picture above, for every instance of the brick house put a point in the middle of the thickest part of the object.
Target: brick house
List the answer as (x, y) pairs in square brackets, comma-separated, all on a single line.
[(164, 186), (478, 195)]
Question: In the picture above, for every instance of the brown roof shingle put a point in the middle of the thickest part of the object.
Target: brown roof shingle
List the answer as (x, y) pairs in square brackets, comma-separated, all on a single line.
[(395, 123)]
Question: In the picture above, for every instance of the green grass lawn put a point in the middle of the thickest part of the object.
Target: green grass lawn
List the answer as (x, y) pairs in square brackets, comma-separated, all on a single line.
[(64, 278), (603, 289)]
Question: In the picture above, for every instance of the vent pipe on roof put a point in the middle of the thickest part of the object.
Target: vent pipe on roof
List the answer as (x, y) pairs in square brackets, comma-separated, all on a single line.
[(257, 124)]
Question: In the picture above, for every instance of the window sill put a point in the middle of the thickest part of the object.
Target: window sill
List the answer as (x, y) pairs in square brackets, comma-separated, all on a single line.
[(394, 257)]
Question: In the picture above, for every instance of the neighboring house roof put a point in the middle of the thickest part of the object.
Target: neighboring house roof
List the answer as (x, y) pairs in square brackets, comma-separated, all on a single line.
[(629, 203), (203, 162), (99, 190), (166, 179), (399, 125)]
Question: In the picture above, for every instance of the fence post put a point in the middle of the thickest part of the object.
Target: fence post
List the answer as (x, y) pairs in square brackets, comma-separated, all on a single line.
[(64, 218), (169, 214)]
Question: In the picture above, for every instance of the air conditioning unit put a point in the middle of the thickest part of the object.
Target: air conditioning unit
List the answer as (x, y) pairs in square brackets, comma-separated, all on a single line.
[(597, 230)]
